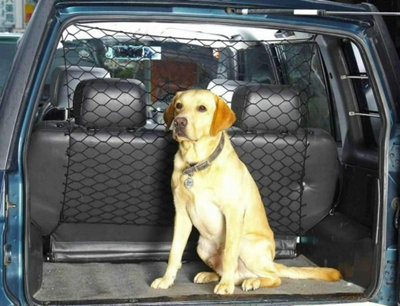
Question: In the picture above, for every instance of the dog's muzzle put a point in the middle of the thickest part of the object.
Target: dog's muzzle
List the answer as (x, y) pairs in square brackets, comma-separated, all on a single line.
[(180, 124)]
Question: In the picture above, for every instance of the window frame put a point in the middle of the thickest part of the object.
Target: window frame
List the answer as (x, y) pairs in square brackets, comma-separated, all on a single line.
[(370, 138)]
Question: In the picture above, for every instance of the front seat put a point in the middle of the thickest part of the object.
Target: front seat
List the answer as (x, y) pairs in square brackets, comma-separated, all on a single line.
[(62, 87)]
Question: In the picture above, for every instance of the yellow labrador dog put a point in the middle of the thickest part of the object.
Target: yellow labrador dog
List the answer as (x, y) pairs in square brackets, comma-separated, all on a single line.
[(214, 191)]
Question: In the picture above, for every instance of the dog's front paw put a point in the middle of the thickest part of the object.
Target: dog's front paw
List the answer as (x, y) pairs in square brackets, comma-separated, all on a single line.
[(162, 283), (224, 288)]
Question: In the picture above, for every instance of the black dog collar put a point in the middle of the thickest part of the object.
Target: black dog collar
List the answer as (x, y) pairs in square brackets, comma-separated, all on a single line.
[(205, 164)]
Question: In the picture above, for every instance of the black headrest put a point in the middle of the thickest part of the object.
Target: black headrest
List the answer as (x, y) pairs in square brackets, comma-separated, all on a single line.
[(65, 79), (110, 102), (267, 108)]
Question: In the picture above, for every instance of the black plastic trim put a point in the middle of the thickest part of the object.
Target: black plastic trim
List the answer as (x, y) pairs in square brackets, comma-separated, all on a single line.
[(214, 299)]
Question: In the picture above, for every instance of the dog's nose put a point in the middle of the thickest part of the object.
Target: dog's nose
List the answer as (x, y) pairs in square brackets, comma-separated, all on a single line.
[(180, 122)]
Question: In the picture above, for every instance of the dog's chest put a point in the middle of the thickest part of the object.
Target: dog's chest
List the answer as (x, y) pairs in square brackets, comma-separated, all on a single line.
[(202, 207), (207, 218)]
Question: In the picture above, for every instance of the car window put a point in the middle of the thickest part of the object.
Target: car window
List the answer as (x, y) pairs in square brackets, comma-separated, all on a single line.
[(8, 46), (256, 65), (174, 66), (180, 66), (166, 65), (363, 90), (295, 69)]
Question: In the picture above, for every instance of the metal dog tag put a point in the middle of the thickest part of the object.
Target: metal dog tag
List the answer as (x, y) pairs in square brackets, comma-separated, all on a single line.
[(188, 182)]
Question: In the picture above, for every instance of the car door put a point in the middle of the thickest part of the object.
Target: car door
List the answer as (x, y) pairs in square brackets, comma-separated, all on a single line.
[(8, 48)]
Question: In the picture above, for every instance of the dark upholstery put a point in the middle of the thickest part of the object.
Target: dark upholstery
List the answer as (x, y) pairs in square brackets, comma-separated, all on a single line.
[(320, 177), (108, 184), (119, 177), (296, 169), (112, 102), (71, 166), (275, 162), (267, 108), (47, 168), (102, 190)]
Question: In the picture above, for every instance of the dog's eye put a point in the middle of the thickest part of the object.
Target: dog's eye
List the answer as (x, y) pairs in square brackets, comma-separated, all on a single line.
[(178, 105), (202, 108)]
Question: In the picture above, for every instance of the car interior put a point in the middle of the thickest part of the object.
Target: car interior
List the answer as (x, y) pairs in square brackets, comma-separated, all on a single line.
[(99, 161)]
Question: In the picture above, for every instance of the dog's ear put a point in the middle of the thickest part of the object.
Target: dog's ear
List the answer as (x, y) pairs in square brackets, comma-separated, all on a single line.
[(223, 118), (169, 112), (169, 116)]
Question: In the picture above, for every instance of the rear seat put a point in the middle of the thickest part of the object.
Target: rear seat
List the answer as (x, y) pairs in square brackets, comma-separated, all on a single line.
[(108, 193), (277, 150), (100, 187)]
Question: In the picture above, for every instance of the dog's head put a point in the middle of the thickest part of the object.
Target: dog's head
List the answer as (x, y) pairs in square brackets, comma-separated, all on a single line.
[(197, 113)]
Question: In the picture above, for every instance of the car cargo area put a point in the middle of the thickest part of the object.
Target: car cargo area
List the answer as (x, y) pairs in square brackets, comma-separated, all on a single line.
[(99, 160), (111, 281)]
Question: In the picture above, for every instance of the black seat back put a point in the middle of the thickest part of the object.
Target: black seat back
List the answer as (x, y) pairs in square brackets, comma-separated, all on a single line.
[(47, 169), (118, 171), (284, 158), (115, 200), (100, 185)]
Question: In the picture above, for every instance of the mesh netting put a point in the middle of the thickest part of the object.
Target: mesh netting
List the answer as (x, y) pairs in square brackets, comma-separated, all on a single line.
[(118, 84), (111, 178)]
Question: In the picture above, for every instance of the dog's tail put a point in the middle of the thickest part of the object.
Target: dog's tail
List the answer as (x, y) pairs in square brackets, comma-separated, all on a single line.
[(326, 274)]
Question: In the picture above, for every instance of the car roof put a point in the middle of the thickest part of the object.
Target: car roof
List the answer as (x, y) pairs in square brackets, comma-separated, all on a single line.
[(299, 4)]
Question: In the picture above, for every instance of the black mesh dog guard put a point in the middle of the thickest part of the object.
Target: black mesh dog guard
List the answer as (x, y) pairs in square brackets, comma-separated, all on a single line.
[(119, 157)]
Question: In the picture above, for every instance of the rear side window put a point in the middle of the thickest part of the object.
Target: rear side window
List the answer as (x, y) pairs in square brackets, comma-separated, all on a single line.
[(255, 65), (366, 100), (301, 64)]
